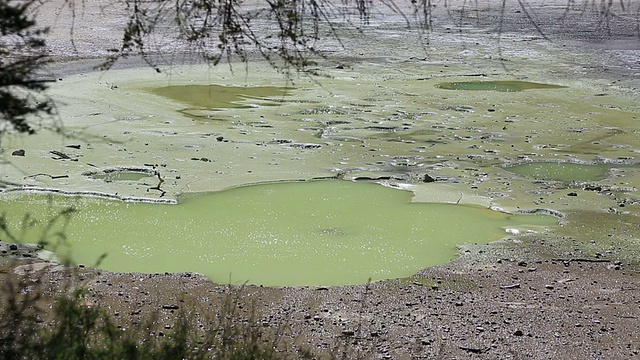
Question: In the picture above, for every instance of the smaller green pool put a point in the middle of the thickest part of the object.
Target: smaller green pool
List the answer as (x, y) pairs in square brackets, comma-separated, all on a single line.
[(201, 100), (502, 86), (562, 171)]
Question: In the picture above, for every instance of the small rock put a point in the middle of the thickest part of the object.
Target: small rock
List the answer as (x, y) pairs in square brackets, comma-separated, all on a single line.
[(512, 286), (572, 194), (20, 152), (428, 178), (518, 333)]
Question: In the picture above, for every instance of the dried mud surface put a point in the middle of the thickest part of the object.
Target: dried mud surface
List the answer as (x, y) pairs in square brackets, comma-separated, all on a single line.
[(523, 298)]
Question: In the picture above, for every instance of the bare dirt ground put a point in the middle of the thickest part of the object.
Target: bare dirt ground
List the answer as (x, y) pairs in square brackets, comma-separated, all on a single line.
[(564, 308), (525, 300)]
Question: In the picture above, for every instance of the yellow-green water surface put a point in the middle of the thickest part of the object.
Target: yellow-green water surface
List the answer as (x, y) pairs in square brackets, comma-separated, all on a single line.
[(503, 86), (202, 99), (311, 233)]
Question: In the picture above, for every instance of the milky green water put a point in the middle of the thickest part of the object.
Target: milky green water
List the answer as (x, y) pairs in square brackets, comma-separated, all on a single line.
[(503, 86), (311, 233), (202, 99), (560, 171)]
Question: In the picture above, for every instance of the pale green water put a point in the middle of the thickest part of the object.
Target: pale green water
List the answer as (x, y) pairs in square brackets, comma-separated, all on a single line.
[(559, 171), (203, 99), (323, 232), (503, 86)]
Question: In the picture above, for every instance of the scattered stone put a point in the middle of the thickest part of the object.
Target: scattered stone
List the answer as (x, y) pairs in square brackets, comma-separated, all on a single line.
[(518, 333), (60, 155), (170, 307), (512, 286), (572, 194), (348, 332), (77, 147), (305, 146), (280, 141), (473, 350), (427, 178)]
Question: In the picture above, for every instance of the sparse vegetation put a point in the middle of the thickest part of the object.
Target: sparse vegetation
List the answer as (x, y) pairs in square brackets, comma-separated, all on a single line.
[(34, 325)]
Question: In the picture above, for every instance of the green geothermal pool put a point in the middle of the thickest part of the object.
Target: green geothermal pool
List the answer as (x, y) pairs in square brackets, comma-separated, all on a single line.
[(296, 233)]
